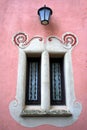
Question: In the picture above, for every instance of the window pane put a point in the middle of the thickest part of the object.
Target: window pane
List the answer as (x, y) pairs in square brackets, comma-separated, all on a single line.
[(33, 81), (57, 81)]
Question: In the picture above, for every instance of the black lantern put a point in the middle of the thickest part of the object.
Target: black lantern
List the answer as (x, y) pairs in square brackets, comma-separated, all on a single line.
[(44, 14)]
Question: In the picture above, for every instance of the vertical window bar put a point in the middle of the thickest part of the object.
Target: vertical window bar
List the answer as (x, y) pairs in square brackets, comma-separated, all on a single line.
[(53, 90), (30, 82)]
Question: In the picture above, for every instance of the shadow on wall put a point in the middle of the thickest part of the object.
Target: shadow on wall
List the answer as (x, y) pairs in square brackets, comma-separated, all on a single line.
[(52, 28)]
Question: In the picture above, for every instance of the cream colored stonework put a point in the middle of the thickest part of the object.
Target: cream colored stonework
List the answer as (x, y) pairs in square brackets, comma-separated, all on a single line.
[(31, 116)]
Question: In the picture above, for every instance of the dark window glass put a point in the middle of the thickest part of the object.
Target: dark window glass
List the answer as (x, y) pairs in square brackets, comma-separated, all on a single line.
[(33, 81), (57, 81)]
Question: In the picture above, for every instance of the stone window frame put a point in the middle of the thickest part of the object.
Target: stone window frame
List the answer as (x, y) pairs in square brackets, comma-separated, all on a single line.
[(62, 115)]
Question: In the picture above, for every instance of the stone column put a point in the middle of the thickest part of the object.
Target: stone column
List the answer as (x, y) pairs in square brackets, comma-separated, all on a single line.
[(45, 81)]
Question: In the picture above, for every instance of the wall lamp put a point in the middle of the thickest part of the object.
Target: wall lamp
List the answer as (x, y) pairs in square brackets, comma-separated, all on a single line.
[(44, 14)]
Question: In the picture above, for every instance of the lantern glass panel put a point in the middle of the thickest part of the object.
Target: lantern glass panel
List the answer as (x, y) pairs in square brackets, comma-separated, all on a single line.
[(47, 14), (41, 14)]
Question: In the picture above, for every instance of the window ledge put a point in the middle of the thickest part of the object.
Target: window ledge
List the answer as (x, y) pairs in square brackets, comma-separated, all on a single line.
[(46, 113)]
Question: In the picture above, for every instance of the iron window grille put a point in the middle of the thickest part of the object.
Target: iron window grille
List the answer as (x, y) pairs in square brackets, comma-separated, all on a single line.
[(57, 92)]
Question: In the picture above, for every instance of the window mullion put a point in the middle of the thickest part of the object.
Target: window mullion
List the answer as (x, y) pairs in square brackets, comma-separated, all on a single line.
[(45, 81)]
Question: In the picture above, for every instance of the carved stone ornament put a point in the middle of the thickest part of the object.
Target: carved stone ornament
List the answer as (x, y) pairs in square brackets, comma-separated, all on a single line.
[(36, 115)]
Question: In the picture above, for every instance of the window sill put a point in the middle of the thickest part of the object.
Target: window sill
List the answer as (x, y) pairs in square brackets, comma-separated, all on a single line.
[(46, 113)]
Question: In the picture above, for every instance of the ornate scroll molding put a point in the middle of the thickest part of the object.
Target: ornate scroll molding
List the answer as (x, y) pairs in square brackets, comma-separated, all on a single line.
[(68, 40), (21, 40)]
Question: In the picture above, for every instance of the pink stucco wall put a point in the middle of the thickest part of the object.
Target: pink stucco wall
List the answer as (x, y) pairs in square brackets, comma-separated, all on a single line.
[(21, 15)]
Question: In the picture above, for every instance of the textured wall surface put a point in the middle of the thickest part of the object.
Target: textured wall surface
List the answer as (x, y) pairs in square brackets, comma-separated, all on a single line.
[(21, 15)]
